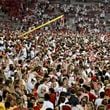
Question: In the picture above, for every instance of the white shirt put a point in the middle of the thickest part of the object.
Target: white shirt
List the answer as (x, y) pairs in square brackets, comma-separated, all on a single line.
[(32, 54), (71, 80), (98, 102), (42, 86), (107, 74), (76, 108), (31, 85), (47, 104), (24, 53), (101, 89), (61, 89), (58, 74)]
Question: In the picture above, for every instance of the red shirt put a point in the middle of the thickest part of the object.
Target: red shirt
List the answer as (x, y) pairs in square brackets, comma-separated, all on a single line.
[(38, 107), (91, 97), (108, 107), (107, 92), (53, 97), (35, 93)]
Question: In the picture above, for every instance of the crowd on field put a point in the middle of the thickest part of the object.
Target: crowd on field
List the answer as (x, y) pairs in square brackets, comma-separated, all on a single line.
[(55, 68)]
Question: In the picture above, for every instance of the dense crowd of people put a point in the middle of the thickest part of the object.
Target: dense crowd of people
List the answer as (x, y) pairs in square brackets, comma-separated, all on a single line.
[(55, 68)]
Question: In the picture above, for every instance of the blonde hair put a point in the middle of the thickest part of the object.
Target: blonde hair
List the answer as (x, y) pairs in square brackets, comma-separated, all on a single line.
[(91, 105)]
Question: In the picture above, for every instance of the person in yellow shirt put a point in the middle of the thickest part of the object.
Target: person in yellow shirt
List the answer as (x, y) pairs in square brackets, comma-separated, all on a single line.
[(2, 107)]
